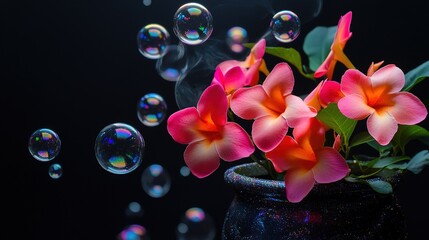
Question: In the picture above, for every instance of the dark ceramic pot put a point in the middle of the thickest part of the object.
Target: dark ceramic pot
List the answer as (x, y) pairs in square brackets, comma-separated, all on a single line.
[(340, 210)]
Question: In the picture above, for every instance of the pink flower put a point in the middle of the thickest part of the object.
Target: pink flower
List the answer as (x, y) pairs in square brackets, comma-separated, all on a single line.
[(253, 63), (231, 80), (272, 106), (336, 54), (306, 160), (209, 135), (378, 98), (326, 92)]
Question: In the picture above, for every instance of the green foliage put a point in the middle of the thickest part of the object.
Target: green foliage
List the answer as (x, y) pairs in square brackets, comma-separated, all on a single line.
[(418, 162), (332, 117), (416, 75), (291, 56), (406, 133), (317, 45)]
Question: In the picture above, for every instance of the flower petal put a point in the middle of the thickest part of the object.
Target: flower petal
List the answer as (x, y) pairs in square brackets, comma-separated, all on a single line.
[(299, 183), (330, 92), (252, 74), (236, 143), (268, 132), (258, 50), (202, 158), (388, 76), (182, 125), (234, 78), (279, 83), (324, 67), (213, 105), (312, 99), (354, 107), (355, 82), (297, 110), (343, 31), (247, 102), (408, 103), (330, 166), (288, 154), (310, 134), (382, 127)]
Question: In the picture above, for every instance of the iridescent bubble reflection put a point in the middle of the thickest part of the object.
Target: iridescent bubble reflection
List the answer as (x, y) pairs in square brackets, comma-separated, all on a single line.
[(156, 181), (151, 109), (44, 144), (193, 23), (195, 224)]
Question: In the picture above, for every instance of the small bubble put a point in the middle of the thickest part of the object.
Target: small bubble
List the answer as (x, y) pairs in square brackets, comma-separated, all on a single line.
[(134, 209), (119, 148), (184, 171), (133, 232), (151, 109), (193, 23), (44, 144), (55, 171), (235, 38), (152, 41), (285, 26), (174, 64), (147, 2), (195, 224), (155, 181)]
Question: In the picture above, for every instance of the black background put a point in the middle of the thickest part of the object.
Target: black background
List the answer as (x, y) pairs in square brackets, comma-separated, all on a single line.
[(74, 67)]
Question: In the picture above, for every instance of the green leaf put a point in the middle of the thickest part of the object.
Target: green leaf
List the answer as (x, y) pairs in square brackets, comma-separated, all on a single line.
[(380, 186), (317, 45), (418, 162), (290, 55), (332, 117), (406, 133), (360, 138), (416, 75), (376, 184), (384, 162)]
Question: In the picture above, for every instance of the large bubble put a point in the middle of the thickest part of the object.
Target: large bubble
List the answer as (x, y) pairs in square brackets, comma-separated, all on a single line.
[(193, 23), (119, 148), (152, 41), (44, 144), (285, 26)]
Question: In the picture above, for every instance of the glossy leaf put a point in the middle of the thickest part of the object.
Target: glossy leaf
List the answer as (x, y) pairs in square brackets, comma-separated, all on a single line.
[(317, 45), (418, 162), (291, 56), (380, 186), (332, 117), (416, 75), (406, 133)]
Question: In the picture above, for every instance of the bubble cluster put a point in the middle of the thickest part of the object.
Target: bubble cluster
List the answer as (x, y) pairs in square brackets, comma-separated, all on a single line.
[(55, 171), (119, 148), (195, 224), (152, 41), (235, 38), (133, 232), (156, 181), (193, 23), (151, 109), (44, 144), (174, 64), (285, 26)]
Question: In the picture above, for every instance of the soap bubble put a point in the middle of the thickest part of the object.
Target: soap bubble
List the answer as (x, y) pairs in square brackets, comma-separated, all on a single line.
[(134, 209), (156, 181), (151, 109), (236, 37), (119, 148), (184, 171), (193, 23), (44, 144), (147, 2), (55, 171), (133, 232), (152, 41), (285, 26), (195, 224), (174, 64)]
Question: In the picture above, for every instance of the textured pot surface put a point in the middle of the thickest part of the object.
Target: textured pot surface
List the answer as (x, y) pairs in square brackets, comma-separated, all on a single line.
[(340, 210)]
